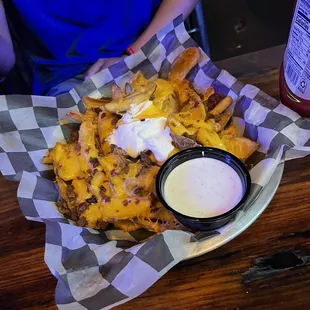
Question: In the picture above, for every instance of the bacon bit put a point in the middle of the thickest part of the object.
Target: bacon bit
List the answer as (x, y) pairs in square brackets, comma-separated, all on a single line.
[(142, 171), (114, 122), (81, 208), (103, 115), (126, 169), (137, 201), (106, 198), (145, 159), (153, 196), (97, 110), (214, 100), (77, 148), (154, 210), (101, 224), (137, 191), (73, 216), (82, 222), (87, 150), (94, 162), (102, 189), (92, 199), (196, 104), (74, 136), (113, 173), (70, 194), (125, 203)]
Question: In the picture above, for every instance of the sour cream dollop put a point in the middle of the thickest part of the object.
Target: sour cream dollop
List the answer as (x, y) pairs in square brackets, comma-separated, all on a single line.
[(203, 188), (135, 136)]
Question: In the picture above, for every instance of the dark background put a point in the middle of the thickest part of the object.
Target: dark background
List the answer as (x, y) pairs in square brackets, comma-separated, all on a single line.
[(237, 27)]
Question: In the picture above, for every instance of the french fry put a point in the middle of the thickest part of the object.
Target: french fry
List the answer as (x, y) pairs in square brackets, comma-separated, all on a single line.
[(225, 118), (196, 114), (222, 106), (183, 64), (123, 104), (182, 89), (92, 103), (241, 147), (231, 130), (76, 116)]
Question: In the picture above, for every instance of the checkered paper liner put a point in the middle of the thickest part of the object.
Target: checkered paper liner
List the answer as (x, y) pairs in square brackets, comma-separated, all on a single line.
[(101, 269)]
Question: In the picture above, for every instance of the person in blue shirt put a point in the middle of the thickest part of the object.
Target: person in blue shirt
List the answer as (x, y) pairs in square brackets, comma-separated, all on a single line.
[(69, 41)]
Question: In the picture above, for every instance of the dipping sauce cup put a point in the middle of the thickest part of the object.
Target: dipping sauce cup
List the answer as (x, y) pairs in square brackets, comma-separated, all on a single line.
[(203, 187)]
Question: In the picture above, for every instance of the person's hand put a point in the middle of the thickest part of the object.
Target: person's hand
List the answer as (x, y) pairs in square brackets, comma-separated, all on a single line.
[(101, 64)]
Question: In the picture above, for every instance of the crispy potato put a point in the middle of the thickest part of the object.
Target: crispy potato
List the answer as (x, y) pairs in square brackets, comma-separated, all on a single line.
[(195, 114), (106, 124), (231, 130), (210, 138), (241, 147), (93, 103), (138, 82), (182, 89), (176, 126), (123, 104), (165, 97), (76, 116), (183, 64), (117, 93), (224, 119)]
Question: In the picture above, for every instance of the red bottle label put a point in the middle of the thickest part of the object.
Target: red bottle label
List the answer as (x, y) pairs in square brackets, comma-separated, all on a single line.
[(297, 55)]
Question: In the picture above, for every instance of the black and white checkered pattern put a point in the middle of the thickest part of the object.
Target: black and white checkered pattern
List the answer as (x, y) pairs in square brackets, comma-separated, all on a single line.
[(92, 271)]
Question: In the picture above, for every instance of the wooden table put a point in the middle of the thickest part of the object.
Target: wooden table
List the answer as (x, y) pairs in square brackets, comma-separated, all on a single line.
[(230, 277)]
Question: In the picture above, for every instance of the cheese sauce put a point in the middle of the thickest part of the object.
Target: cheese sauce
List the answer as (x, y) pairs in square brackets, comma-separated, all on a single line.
[(203, 187)]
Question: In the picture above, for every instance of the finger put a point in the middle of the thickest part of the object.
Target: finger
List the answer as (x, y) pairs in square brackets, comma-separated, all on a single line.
[(95, 68)]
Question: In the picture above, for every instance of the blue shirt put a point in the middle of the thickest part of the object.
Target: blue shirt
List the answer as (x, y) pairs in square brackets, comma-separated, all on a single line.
[(64, 37)]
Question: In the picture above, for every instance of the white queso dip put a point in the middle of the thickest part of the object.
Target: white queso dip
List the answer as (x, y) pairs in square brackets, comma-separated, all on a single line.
[(203, 187)]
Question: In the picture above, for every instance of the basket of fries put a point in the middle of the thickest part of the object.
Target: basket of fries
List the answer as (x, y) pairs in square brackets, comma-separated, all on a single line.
[(87, 162), (106, 175)]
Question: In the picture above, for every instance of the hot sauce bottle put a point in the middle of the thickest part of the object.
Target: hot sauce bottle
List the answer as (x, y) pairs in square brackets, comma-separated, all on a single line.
[(295, 69)]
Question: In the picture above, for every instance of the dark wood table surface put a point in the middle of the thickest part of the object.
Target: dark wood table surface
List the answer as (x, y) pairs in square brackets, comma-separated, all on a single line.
[(266, 267)]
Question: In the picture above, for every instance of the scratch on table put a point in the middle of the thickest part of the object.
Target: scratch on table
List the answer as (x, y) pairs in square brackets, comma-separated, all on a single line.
[(299, 234), (268, 266)]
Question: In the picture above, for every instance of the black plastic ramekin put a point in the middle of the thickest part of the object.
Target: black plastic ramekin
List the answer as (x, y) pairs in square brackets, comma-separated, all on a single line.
[(208, 152)]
